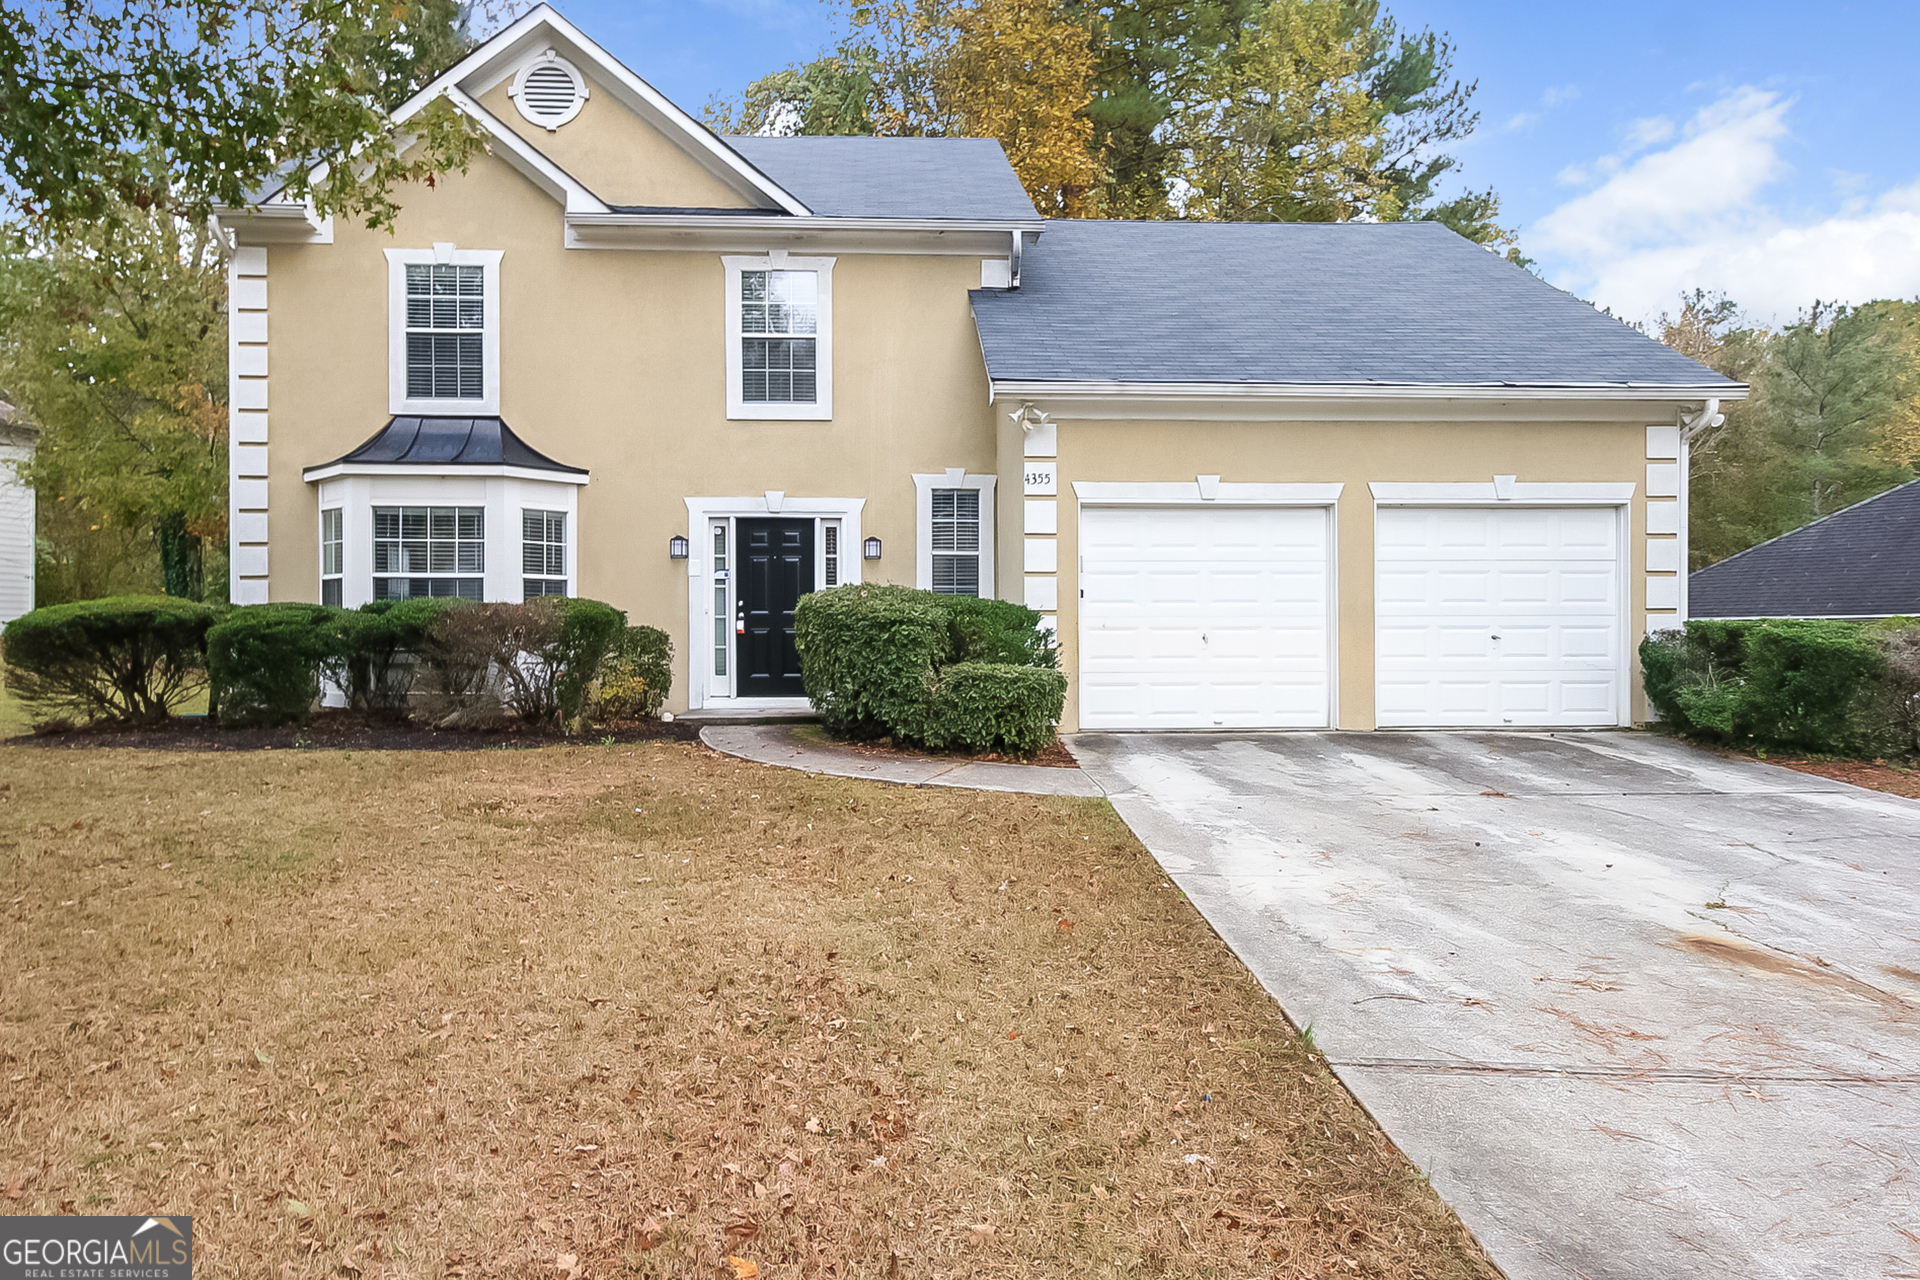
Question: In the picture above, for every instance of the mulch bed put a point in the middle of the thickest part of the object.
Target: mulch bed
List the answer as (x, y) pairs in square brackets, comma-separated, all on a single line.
[(340, 731), (1875, 774), (1053, 756)]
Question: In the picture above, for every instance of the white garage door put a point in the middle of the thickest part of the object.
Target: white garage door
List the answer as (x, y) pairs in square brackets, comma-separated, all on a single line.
[(1196, 618), (1498, 616)]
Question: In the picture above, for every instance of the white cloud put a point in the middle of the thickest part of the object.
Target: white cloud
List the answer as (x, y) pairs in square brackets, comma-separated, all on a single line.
[(1692, 215)]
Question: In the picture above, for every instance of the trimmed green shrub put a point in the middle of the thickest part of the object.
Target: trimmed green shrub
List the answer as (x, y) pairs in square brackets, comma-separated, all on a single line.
[(126, 658), (1898, 704), (265, 660), (537, 660), (867, 656), (995, 706), (637, 675), (379, 660), (1783, 682), (996, 631), (945, 671)]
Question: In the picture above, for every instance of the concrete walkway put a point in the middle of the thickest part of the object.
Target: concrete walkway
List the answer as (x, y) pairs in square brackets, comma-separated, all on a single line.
[(1637, 1010), (791, 748)]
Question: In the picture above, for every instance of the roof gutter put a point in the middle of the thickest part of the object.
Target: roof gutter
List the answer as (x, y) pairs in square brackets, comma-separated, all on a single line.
[(789, 223), (1017, 389)]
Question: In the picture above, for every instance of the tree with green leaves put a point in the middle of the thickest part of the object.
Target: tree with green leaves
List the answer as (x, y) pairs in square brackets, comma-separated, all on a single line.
[(111, 105), (1820, 429), (113, 341)]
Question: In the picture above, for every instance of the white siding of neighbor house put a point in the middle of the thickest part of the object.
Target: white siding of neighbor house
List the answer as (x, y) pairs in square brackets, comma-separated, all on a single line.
[(16, 534)]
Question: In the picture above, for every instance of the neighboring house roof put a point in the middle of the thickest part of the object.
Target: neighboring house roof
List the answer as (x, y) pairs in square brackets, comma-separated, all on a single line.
[(1860, 562), (15, 429), (449, 442), (949, 178), (1318, 304)]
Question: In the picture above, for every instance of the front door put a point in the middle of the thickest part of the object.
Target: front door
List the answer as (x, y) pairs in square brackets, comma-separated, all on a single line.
[(776, 562)]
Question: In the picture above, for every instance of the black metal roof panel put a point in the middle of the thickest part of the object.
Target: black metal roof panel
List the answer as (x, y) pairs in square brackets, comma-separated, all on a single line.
[(939, 178), (1860, 562), (1398, 304), (451, 442)]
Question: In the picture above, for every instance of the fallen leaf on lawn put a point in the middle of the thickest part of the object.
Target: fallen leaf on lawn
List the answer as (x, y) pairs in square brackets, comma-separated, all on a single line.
[(745, 1229), (813, 1125), (1067, 925), (299, 1209), (591, 1146), (981, 1233), (568, 1264), (263, 1058), (650, 1235), (15, 1188), (742, 1269)]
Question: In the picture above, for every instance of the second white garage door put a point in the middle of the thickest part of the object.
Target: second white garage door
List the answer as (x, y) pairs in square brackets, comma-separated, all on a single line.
[(1203, 617), (1498, 616)]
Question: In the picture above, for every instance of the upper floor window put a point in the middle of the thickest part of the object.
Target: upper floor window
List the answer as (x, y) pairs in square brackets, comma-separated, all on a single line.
[(446, 320), (779, 337), (429, 551), (443, 338)]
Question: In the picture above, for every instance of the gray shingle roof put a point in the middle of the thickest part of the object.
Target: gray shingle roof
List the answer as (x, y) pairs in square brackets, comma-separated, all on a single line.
[(451, 442), (1860, 562), (948, 178), (1304, 303)]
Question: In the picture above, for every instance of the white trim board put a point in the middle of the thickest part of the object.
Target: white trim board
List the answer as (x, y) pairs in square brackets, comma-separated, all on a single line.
[(1502, 491), (334, 470), (1130, 494)]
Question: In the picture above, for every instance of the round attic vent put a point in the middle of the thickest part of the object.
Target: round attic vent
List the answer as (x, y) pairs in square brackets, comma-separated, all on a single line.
[(549, 90)]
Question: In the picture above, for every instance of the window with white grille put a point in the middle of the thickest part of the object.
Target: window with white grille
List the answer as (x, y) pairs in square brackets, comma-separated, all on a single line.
[(955, 538), (779, 316), (780, 337), (543, 553), (429, 551), (446, 323), (332, 556), (444, 331), (830, 553)]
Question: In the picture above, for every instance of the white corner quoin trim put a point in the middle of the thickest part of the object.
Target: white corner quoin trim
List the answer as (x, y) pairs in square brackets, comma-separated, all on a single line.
[(488, 405), (821, 410), (1501, 491), (953, 478)]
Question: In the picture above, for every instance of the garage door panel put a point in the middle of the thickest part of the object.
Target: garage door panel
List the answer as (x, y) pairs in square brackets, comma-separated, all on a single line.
[(1497, 616), (1204, 617)]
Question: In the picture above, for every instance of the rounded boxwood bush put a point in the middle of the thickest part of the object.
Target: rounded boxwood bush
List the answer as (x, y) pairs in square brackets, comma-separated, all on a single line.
[(265, 661), (124, 658)]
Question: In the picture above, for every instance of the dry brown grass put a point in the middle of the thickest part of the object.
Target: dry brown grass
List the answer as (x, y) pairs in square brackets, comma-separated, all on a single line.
[(630, 1011)]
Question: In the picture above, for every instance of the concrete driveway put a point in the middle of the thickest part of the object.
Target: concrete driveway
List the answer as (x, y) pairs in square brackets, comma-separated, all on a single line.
[(1638, 1011)]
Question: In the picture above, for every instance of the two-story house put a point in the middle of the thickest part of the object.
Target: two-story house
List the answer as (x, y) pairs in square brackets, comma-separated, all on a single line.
[(1254, 475)]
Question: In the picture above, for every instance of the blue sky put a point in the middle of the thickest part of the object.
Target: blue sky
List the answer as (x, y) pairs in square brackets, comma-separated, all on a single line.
[(1766, 150)]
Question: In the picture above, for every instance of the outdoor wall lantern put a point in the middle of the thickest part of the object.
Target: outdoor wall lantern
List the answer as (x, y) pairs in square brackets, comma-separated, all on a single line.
[(676, 547), (873, 548)]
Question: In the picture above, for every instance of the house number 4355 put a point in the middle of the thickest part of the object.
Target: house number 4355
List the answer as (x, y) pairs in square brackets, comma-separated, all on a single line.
[(1041, 478)]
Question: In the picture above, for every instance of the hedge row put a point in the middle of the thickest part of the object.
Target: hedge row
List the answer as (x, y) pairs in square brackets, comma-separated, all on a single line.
[(947, 672), (136, 659), (1829, 687)]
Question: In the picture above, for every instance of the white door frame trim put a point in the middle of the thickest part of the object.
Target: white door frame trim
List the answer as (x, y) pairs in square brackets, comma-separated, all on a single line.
[(1617, 496), (700, 513), (1094, 493)]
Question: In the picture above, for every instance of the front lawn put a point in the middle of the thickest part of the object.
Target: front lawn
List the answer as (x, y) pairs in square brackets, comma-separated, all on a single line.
[(635, 1010)]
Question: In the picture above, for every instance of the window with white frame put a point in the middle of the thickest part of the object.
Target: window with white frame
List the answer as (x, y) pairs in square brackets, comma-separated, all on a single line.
[(446, 324), (429, 551), (444, 331), (779, 337), (830, 553), (332, 557), (722, 616), (955, 538), (543, 553)]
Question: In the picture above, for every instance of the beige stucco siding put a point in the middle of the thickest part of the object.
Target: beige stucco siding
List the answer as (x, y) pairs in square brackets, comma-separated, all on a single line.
[(614, 361), (1354, 454), (620, 157)]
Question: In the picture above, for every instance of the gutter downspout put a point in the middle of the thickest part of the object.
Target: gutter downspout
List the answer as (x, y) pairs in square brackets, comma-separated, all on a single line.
[(1019, 243), (1708, 418)]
